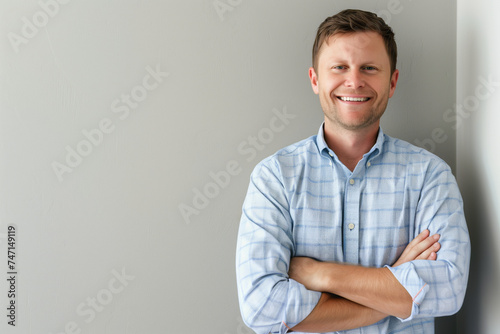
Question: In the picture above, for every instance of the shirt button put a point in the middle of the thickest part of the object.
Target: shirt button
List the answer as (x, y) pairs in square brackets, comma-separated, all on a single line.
[(351, 181), (368, 164), (351, 226), (331, 154)]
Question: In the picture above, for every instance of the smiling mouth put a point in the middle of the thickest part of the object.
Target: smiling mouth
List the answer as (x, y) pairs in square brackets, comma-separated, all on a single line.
[(353, 99)]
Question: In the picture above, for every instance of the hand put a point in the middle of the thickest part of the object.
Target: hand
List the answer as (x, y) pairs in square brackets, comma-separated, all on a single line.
[(307, 272), (310, 272), (423, 247)]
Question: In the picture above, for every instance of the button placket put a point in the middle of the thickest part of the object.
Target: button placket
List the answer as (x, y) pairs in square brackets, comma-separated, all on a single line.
[(351, 220)]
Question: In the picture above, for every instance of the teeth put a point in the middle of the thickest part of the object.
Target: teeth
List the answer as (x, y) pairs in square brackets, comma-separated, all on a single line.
[(353, 99)]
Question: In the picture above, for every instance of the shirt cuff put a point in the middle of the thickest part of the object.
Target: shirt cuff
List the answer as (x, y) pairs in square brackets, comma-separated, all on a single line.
[(408, 277)]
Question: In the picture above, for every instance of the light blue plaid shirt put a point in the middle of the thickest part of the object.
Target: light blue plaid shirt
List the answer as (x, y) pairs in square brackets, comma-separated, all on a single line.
[(303, 201)]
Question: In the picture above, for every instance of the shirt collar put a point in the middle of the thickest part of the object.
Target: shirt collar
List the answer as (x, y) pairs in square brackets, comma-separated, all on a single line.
[(323, 147)]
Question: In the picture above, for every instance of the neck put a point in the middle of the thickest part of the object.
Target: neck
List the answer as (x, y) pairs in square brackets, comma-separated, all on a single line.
[(350, 145)]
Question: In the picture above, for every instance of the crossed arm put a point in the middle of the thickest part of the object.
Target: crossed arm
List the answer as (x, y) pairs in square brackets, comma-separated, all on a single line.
[(276, 291), (355, 296)]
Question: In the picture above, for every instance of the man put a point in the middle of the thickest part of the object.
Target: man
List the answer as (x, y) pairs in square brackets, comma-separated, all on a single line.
[(352, 228)]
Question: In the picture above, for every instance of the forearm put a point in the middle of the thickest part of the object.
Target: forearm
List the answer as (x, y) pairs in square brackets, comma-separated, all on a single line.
[(334, 313), (375, 288)]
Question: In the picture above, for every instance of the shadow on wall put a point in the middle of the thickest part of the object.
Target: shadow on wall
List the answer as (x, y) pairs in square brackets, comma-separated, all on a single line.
[(478, 206), (484, 267)]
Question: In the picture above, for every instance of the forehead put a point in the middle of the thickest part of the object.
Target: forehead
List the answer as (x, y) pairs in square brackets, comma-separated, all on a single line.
[(356, 45)]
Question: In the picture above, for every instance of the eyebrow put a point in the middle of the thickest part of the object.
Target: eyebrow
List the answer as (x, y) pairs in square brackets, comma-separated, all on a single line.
[(365, 63)]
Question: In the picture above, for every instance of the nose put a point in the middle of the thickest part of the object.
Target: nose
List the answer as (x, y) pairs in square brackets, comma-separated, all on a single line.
[(354, 79)]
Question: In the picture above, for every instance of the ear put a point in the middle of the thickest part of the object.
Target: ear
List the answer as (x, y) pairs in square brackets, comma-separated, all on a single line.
[(314, 80), (394, 81)]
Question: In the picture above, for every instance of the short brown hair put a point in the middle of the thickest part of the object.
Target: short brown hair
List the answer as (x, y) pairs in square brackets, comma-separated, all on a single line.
[(354, 20)]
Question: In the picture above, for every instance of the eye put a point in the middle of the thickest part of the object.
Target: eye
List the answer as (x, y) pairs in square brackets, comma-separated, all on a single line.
[(339, 67), (369, 68)]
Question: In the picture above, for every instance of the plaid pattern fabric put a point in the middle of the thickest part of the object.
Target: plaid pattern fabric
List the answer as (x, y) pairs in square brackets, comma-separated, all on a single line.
[(303, 201)]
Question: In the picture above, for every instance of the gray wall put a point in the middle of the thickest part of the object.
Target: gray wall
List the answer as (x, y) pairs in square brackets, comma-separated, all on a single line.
[(128, 130), (478, 162)]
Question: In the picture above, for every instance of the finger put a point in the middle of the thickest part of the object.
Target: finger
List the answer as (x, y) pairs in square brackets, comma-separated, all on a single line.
[(421, 247), (419, 238), (428, 253)]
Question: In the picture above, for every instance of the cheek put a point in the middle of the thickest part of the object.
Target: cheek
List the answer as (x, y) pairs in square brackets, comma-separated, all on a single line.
[(326, 95), (328, 87), (383, 89)]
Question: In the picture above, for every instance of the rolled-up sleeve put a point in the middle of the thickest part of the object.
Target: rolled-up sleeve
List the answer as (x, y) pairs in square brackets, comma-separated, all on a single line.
[(269, 300), (438, 287)]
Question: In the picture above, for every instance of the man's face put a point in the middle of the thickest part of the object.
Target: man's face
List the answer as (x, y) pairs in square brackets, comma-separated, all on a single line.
[(353, 80)]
